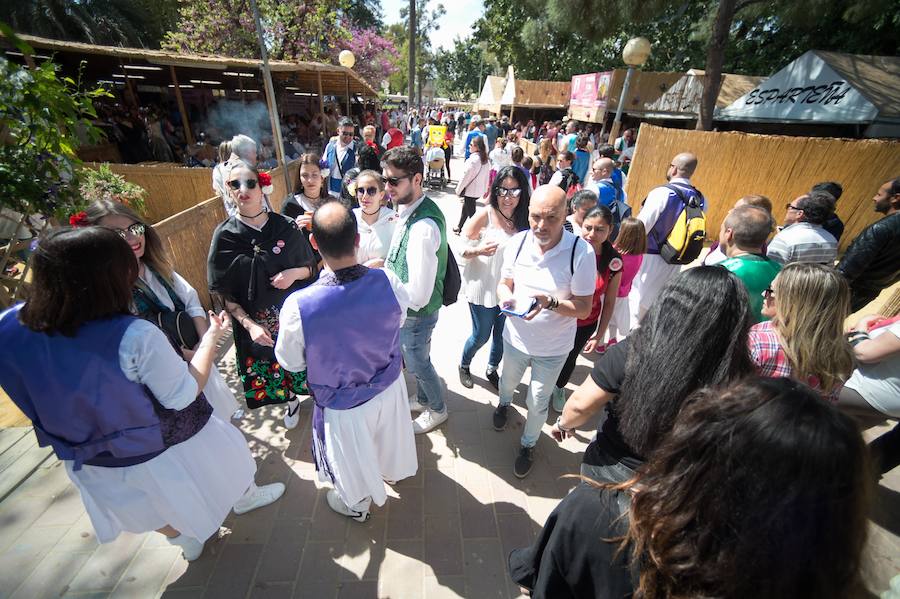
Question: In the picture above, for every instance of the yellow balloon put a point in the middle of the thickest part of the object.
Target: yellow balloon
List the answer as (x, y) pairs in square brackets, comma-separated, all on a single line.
[(346, 59)]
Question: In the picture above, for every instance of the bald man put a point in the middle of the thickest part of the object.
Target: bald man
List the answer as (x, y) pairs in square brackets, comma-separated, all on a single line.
[(660, 211), (344, 330), (546, 283), (742, 237)]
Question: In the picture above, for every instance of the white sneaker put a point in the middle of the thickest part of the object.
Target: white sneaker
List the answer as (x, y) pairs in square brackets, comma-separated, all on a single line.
[(257, 497), (415, 406), (429, 420), (337, 504), (191, 548), (292, 414)]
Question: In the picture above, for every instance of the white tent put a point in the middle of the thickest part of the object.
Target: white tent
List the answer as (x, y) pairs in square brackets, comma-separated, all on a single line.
[(827, 88)]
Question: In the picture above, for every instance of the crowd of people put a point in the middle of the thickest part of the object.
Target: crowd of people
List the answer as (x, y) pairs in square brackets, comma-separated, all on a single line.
[(732, 396)]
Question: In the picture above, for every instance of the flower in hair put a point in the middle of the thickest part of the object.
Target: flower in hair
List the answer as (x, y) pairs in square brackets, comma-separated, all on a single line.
[(79, 219), (265, 183), (323, 164)]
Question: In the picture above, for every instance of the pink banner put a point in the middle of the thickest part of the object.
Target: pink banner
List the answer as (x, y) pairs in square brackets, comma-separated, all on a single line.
[(590, 90)]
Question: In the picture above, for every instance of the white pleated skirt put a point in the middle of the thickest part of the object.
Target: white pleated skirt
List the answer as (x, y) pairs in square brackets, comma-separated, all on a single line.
[(191, 486), (369, 444), (219, 396), (651, 278), (620, 322)]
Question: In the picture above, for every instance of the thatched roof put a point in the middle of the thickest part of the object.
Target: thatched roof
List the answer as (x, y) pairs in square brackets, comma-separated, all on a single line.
[(682, 100), (101, 62), (536, 94)]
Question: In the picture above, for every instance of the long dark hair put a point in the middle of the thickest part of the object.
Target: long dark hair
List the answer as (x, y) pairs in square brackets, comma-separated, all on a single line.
[(480, 149), (520, 215), (311, 158), (760, 490), (79, 275), (695, 335)]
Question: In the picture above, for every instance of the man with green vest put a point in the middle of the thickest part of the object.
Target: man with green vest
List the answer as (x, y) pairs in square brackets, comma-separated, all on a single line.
[(742, 237), (418, 255)]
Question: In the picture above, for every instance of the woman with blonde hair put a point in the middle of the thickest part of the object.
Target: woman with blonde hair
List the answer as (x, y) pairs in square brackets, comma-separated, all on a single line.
[(804, 340)]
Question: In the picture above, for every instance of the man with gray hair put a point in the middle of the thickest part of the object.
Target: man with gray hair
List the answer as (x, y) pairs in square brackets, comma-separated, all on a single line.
[(742, 237), (803, 238), (243, 148)]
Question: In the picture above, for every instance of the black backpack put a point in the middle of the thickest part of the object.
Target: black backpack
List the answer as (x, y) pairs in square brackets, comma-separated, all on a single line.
[(452, 279)]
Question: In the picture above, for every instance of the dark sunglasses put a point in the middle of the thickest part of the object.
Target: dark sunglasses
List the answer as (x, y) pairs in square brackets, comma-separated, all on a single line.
[(361, 191), (395, 181), (236, 184), (790, 206), (346, 134), (505, 191), (768, 293), (137, 230)]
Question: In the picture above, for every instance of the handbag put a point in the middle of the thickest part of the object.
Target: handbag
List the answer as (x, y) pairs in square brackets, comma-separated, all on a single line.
[(179, 326)]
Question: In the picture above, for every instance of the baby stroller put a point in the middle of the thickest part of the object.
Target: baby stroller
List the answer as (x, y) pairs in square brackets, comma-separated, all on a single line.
[(434, 160)]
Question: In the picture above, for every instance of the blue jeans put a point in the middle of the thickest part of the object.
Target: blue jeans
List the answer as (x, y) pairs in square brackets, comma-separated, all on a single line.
[(544, 371), (483, 320), (415, 343)]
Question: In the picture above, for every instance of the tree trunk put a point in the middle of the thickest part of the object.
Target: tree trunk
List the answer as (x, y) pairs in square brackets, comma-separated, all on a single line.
[(715, 56), (411, 88)]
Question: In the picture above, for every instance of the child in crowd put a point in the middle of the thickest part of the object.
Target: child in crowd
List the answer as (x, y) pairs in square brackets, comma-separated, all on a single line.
[(631, 243)]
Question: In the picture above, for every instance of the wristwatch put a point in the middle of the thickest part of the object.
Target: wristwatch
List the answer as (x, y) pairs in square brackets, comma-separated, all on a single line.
[(560, 426)]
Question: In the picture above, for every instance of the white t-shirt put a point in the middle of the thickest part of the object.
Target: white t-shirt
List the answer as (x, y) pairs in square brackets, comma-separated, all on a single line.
[(879, 384), (549, 333), (499, 158)]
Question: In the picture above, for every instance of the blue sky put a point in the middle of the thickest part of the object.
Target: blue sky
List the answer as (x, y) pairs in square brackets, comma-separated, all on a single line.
[(461, 14)]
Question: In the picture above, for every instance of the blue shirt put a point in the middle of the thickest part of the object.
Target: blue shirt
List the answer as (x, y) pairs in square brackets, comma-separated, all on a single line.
[(416, 138), (581, 164), (606, 192), (472, 135), (492, 132)]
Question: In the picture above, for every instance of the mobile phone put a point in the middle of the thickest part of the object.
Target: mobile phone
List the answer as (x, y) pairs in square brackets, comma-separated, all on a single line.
[(518, 312)]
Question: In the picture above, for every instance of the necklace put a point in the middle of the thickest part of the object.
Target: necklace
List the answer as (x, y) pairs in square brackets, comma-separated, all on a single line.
[(508, 220), (257, 215), (371, 213)]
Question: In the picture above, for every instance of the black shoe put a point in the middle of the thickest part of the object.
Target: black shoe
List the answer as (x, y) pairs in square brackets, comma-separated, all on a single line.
[(465, 377), (493, 378), (524, 462), (500, 418)]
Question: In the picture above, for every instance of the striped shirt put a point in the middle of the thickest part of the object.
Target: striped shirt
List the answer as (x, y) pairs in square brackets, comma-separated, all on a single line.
[(803, 242)]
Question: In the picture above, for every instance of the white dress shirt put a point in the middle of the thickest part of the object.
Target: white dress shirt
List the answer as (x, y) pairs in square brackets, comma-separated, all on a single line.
[(421, 254)]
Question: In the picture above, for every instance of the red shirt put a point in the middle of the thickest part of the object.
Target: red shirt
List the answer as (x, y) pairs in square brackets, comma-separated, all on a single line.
[(615, 265)]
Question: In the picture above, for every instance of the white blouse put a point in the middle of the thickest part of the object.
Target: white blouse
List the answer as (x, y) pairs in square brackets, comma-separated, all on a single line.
[(146, 357), (375, 239), (481, 274)]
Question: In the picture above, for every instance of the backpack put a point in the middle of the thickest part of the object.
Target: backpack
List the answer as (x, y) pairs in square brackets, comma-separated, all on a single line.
[(571, 258), (569, 182), (452, 280), (685, 241), (620, 210)]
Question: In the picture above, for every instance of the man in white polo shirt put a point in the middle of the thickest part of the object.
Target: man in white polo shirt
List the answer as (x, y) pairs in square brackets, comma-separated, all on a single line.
[(548, 277)]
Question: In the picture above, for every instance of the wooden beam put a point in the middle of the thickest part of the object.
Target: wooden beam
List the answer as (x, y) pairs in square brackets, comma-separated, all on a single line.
[(348, 94), (321, 97), (188, 136)]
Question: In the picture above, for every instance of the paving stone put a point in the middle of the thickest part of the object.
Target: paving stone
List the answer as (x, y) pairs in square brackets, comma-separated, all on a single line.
[(401, 573), (51, 577), (319, 563), (485, 568), (363, 549), (358, 589), (515, 531), (477, 519), (254, 527), (280, 560), (443, 544), (103, 569), (405, 518), (234, 572), (440, 496), (327, 525), (445, 587), (265, 590), (298, 501), (147, 573)]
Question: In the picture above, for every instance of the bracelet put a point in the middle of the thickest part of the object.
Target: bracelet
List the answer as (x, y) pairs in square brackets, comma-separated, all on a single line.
[(553, 304), (857, 337), (560, 426)]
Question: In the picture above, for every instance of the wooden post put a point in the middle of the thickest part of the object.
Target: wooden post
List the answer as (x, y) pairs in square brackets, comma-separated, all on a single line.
[(131, 91), (348, 94), (321, 97), (188, 136)]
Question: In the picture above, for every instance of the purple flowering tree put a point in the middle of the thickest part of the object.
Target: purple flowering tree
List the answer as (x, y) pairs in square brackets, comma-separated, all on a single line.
[(376, 57)]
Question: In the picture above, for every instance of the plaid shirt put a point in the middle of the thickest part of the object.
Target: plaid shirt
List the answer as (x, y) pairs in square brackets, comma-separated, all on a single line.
[(771, 361)]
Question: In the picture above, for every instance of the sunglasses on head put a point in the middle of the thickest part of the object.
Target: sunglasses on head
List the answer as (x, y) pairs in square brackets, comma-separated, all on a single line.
[(236, 184), (360, 191), (137, 230)]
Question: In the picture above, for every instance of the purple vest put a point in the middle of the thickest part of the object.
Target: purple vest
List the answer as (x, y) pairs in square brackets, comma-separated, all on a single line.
[(351, 329), (80, 401), (657, 236)]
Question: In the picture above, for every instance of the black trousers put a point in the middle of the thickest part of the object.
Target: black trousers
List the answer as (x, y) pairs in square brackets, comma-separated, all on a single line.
[(467, 210), (448, 153), (582, 334)]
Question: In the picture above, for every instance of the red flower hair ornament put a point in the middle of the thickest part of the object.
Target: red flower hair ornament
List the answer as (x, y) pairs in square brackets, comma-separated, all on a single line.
[(265, 183), (79, 219)]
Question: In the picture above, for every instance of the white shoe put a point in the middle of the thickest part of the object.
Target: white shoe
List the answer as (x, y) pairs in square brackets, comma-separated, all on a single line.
[(257, 497), (415, 406), (191, 548), (292, 414), (337, 504), (429, 420)]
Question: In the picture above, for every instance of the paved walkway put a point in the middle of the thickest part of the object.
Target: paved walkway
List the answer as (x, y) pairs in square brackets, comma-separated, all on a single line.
[(444, 533)]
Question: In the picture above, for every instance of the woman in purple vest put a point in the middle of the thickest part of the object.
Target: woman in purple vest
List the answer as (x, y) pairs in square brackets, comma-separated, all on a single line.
[(109, 393)]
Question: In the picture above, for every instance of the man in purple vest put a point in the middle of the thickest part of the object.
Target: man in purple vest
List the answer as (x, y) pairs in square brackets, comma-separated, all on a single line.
[(345, 332), (659, 212)]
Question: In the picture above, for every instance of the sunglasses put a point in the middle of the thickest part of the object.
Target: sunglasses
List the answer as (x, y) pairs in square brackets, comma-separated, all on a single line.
[(361, 191), (790, 206), (346, 134), (236, 184), (136, 230), (395, 181), (768, 293), (506, 191)]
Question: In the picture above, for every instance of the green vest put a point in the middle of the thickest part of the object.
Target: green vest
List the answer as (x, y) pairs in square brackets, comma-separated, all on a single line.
[(756, 273), (396, 260)]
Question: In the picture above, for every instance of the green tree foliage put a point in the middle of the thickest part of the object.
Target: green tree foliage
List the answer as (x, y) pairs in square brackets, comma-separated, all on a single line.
[(140, 23), (364, 14), (461, 71), (43, 119), (426, 22)]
